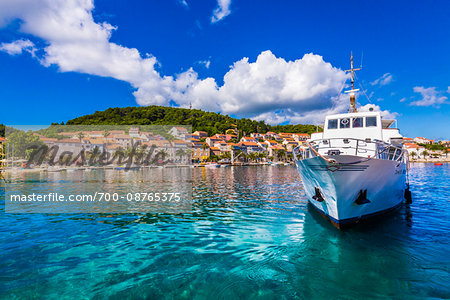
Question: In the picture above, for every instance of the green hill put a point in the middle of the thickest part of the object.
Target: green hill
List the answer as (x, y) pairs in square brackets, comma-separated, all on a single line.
[(199, 120)]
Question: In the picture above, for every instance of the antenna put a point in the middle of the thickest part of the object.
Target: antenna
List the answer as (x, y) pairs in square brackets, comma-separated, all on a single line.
[(353, 90), (362, 55)]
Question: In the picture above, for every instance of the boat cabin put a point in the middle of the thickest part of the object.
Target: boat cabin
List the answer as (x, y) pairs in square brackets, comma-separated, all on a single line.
[(357, 133), (359, 125), (364, 134)]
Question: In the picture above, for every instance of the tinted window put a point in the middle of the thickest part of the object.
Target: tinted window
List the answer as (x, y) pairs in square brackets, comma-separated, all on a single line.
[(371, 121), (332, 124), (344, 123), (357, 122)]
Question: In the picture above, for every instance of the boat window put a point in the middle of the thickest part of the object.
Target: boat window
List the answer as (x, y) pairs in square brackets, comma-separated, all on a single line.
[(357, 122), (344, 123), (332, 124), (371, 121)]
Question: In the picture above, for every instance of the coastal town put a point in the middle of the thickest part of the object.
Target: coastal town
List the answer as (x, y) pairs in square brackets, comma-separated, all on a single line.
[(421, 149), (181, 146)]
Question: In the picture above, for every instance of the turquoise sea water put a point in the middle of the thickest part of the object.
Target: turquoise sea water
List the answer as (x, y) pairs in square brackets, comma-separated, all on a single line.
[(249, 234)]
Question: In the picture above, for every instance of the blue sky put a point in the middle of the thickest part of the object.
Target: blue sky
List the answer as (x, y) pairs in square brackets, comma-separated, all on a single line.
[(279, 62)]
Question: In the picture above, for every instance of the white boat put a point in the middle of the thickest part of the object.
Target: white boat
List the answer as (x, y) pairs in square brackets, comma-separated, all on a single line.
[(212, 166), (55, 169), (356, 168)]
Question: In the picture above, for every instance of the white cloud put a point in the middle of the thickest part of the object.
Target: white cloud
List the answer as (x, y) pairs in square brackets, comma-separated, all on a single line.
[(339, 105), (183, 2), (76, 43), (383, 80), (403, 99), (384, 113), (289, 90), (269, 88), (272, 83), (18, 46), (222, 10), (205, 63), (430, 97)]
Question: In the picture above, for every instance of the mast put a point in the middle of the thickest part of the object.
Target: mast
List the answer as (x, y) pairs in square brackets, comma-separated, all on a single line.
[(352, 91)]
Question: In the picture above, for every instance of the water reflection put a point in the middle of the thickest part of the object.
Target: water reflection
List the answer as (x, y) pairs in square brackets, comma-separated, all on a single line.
[(116, 191), (249, 233)]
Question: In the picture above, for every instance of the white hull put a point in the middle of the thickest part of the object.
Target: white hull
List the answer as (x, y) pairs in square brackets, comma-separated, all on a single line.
[(341, 184)]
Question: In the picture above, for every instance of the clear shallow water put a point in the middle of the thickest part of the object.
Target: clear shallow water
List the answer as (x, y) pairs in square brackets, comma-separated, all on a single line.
[(250, 234)]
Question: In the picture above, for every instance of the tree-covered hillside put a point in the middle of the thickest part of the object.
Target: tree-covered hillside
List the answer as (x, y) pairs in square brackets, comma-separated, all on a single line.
[(199, 120)]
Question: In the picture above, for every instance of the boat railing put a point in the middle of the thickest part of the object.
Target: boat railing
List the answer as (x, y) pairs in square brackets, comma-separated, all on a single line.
[(368, 149)]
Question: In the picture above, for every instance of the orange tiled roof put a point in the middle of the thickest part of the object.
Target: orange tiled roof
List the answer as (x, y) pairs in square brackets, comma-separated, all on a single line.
[(411, 145), (96, 140), (157, 143), (122, 136), (277, 147), (179, 142), (46, 139), (69, 141), (249, 144), (112, 146), (68, 133)]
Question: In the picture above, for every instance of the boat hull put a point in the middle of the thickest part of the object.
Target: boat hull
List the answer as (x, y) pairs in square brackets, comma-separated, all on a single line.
[(350, 192)]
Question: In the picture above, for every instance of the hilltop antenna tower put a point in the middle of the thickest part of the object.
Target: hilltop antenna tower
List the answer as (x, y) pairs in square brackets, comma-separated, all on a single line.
[(353, 90)]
